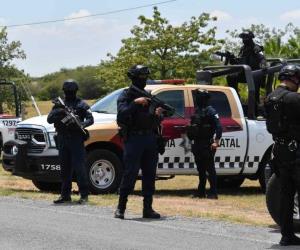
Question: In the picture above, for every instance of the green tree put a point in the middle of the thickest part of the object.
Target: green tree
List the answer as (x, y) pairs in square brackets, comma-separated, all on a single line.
[(169, 51), (50, 85), (10, 51)]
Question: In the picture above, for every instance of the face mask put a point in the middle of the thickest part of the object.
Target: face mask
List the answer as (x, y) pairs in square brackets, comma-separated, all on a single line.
[(247, 42), (139, 82), (70, 95)]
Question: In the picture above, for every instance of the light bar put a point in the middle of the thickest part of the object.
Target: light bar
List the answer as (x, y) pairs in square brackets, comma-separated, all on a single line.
[(167, 81)]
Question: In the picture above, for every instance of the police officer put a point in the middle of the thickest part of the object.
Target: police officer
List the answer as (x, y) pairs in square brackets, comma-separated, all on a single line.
[(138, 124), (204, 125), (70, 142), (284, 124), (250, 54)]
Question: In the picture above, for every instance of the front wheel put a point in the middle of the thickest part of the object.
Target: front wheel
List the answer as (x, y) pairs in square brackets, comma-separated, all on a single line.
[(104, 171), (273, 202)]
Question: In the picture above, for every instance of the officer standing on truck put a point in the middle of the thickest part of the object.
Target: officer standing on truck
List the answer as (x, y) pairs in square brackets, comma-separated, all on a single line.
[(204, 125), (250, 54), (283, 122), (70, 142), (138, 123)]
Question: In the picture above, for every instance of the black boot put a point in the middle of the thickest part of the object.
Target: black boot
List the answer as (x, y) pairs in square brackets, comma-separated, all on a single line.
[(148, 212), (119, 213), (290, 241)]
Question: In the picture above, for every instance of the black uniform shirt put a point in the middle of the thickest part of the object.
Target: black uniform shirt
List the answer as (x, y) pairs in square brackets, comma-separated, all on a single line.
[(291, 110), (213, 119), (253, 56), (135, 116), (80, 108)]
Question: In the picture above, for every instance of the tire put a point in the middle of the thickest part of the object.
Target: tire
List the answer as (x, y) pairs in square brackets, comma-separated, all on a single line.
[(273, 202), (228, 182), (104, 170), (261, 174), (47, 186)]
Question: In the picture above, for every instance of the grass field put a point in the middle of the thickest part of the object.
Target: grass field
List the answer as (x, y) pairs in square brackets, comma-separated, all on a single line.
[(44, 106), (173, 197)]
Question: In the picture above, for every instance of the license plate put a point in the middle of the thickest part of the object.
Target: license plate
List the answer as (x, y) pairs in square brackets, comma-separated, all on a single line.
[(50, 167)]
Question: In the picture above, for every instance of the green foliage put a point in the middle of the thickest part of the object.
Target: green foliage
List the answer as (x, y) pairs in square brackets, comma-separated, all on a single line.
[(10, 51), (50, 86), (170, 51)]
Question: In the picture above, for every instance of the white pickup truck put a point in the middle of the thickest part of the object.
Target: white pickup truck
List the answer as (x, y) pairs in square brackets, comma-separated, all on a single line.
[(244, 152), (8, 121)]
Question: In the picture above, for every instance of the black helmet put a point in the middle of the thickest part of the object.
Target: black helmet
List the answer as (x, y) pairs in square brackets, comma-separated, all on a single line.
[(201, 97), (137, 71), (70, 85), (289, 71), (246, 35)]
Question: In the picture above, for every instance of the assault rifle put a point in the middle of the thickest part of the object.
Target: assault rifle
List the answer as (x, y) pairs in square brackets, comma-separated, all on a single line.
[(229, 57), (157, 102), (71, 118)]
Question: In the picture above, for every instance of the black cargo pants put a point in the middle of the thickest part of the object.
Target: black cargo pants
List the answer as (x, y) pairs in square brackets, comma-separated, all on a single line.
[(288, 164), (72, 157), (204, 158)]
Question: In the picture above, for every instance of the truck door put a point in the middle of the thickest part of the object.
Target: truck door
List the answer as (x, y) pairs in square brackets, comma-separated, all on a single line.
[(230, 156), (175, 156)]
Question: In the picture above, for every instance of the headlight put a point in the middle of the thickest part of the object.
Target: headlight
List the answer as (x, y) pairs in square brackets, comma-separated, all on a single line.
[(51, 139), (14, 150)]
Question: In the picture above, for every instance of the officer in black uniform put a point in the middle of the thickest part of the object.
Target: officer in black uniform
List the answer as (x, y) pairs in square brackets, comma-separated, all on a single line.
[(138, 124), (70, 143), (284, 124), (204, 125), (250, 54)]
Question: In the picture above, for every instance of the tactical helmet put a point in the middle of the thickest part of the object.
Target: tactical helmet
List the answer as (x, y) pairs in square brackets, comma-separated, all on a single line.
[(70, 85), (289, 71), (138, 71), (247, 35), (201, 97), (201, 93)]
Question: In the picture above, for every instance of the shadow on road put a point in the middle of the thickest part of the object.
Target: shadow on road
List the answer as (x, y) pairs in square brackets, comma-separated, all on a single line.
[(224, 191)]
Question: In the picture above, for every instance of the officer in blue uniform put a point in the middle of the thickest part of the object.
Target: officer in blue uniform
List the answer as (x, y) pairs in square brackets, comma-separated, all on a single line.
[(70, 143), (138, 123), (204, 125), (283, 122)]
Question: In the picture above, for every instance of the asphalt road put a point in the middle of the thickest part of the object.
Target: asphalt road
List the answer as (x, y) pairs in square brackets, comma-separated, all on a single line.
[(27, 224)]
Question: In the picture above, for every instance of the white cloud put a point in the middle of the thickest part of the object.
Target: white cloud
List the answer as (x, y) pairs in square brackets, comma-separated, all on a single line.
[(68, 44), (221, 15), (293, 14), (80, 13)]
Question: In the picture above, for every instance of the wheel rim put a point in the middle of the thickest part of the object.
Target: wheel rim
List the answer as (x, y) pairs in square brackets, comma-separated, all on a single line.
[(102, 174), (296, 208)]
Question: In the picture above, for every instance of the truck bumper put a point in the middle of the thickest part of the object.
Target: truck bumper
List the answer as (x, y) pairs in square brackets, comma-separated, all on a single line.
[(16, 160)]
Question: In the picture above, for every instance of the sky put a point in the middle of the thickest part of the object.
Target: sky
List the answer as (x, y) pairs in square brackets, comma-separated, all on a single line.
[(68, 44)]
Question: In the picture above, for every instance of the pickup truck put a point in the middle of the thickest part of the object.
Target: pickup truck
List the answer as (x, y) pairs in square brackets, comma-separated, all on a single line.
[(245, 148), (8, 120)]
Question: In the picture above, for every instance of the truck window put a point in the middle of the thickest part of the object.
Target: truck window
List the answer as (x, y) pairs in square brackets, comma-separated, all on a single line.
[(107, 104), (175, 98), (220, 103)]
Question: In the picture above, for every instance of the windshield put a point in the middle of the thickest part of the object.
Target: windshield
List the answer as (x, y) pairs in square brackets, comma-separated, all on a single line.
[(107, 104)]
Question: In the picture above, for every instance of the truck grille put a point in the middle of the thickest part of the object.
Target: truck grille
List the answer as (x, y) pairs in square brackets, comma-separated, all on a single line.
[(34, 137)]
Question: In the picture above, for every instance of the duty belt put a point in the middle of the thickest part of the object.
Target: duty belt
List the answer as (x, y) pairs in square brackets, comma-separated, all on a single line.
[(291, 144)]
